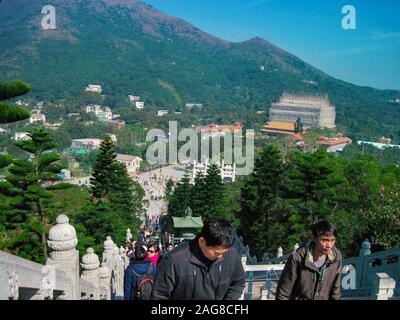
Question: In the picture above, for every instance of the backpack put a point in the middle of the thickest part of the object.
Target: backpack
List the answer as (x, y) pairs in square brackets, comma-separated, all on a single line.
[(144, 284)]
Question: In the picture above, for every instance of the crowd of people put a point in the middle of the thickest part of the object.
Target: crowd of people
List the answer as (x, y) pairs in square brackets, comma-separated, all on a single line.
[(209, 268)]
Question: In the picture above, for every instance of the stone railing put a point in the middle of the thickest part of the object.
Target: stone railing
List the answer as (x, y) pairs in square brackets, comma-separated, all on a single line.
[(366, 277), (60, 278)]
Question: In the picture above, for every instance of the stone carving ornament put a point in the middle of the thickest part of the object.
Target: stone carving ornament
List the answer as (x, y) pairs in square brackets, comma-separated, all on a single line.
[(13, 289)]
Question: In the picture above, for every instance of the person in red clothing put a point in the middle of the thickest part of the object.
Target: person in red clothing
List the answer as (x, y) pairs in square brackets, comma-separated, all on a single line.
[(153, 254)]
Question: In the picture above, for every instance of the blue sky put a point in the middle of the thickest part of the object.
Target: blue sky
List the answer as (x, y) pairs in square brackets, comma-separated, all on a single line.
[(311, 30)]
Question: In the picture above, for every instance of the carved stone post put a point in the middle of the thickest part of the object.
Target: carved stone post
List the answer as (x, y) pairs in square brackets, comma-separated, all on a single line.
[(105, 279), (124, 257), (91, 272), (108, 254), (63, 255), (128, 235), (279, 253)]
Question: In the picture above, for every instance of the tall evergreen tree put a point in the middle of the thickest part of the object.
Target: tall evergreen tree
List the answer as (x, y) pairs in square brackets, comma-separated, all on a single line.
[(214, 195), (299, 126), (8, 112), (311, 192), (102, 184), (262, 214), (181, 198), (199, 197), (27, 185), (117, 202)]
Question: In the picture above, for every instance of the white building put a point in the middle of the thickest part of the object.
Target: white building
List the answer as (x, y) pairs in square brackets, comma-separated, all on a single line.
[(37, 117), (227, 170), (18, 136), (161, 113), (139, 104), (132, 163), (2, 130), (86, 144), (192, 105), (94, 88), (133, 98), (102, 113)]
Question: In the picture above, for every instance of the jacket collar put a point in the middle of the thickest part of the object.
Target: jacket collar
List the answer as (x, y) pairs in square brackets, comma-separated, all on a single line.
[(309, 261), (196, 252)]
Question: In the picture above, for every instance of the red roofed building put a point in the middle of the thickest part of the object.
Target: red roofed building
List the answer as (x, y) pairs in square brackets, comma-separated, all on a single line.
[(334, 144)]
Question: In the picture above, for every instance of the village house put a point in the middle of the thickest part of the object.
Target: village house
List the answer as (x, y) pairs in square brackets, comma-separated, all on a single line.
[(214, 130), (37, 117), (94, 88), (161, 113), (338, 143), (18, 136), (132, 163)]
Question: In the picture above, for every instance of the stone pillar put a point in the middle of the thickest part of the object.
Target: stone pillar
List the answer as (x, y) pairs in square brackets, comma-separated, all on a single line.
[(128, 235), (108, 254), (279, 252), (124, 257), (105, 279), (384, 286), (365, 248), (119, 273), (244, 264), (295, 247), (90, 265), (63, 255)]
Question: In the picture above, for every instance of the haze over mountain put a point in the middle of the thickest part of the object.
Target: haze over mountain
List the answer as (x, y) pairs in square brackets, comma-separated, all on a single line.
[(131, 48)]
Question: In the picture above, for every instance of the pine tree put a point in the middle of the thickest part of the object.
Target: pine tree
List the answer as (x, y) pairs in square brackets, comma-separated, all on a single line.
[(198, 195), (8, 112), (311, 192), (26, 190), (299, 126), (181, 198), (117, 202), (104, 171), (169, 186), (214, 195), (262, 214)]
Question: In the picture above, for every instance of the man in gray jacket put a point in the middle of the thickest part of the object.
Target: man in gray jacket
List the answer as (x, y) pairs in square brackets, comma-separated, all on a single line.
[(206, 268)]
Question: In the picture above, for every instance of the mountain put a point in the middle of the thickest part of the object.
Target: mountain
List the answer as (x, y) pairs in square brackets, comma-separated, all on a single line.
[(131, 48)]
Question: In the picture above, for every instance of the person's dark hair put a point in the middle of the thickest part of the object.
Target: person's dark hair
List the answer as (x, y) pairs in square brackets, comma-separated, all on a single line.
[(218, 233), (153, 244), (323, 228), (140, 253)]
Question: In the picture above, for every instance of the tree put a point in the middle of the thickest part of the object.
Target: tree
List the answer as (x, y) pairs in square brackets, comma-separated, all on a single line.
[(214, 205), (199, 197), (27, 185), (169, 189), (299, 126), (181, 197), (117, 202), (310, 192), (8, 112), (104, 170), (262, 215)]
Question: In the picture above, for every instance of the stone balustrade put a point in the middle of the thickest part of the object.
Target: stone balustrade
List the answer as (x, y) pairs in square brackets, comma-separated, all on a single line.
[(60, 278)]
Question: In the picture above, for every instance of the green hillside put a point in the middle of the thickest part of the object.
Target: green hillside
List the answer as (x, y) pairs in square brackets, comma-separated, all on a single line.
[(130, 48)]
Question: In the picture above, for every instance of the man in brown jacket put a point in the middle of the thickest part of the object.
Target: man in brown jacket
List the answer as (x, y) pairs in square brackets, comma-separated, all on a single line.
[(313, 271)]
